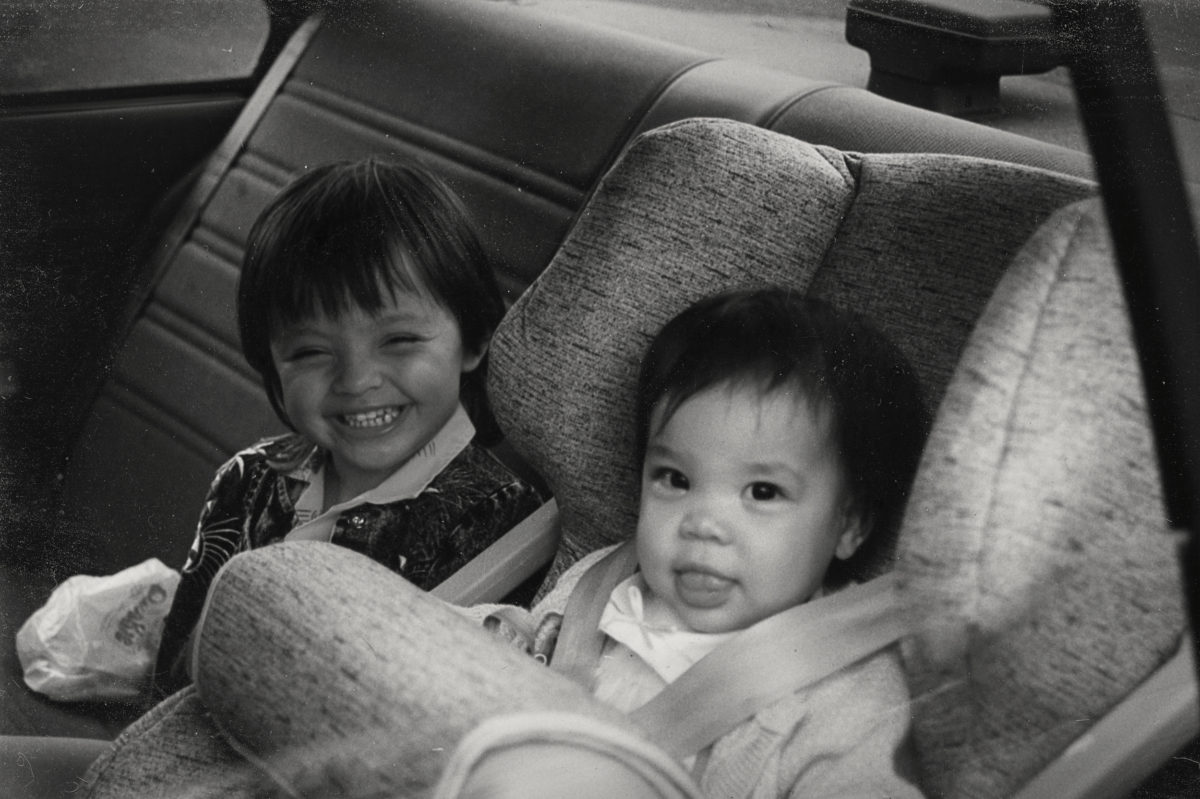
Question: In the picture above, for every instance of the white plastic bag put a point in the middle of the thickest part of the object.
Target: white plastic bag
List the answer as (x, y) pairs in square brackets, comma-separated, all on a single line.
[(97, 637)]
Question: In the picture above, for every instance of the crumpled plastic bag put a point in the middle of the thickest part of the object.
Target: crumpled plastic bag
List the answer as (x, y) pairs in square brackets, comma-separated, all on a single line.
[(97, 637)]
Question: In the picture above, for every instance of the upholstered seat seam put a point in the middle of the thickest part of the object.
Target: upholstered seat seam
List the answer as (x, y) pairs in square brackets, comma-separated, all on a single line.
[(387, 127), (198, 354), (637, 125), (196, 345), (185, 327), (188, 436), (789, 103), (258, 164), (217, 245), (218, 220), (1023, 378), (849, 166)]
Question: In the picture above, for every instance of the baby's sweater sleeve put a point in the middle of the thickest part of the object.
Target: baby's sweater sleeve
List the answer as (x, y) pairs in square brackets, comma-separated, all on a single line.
[(853, 741)]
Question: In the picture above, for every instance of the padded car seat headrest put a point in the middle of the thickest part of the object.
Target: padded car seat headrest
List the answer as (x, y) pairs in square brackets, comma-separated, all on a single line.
[(1034, 559), (916, 242)]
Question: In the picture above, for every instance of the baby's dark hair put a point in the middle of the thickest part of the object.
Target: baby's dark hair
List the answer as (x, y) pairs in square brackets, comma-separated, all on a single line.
[(771, 339), (342, 235)]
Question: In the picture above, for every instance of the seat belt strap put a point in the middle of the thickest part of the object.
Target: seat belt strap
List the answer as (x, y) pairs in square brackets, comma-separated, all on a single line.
[(580, 640), (771, 660), (761, 665)]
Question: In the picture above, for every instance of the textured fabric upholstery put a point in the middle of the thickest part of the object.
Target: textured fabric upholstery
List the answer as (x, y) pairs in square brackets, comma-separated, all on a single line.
[(1035, 557), (915, 241), (173, 751), (376, 720), (926, 240)]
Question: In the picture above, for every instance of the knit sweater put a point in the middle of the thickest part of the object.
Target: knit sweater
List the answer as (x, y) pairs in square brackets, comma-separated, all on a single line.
[(843, 736)]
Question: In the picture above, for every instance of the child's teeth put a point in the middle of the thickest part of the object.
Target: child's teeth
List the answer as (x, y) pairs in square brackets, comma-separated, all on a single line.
[(375, 418)]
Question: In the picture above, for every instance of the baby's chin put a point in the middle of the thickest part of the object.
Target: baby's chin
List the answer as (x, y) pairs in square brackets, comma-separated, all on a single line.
[(727, 618), (713, 621)]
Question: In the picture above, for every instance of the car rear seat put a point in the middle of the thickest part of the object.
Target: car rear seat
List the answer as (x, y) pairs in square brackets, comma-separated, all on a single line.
[(521, 112)]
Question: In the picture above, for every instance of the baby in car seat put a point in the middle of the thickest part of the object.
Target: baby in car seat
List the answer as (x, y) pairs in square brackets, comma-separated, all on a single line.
[(779, 438)]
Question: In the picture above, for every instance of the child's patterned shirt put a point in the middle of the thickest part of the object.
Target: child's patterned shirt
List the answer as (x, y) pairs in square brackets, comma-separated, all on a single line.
[(252, 502)]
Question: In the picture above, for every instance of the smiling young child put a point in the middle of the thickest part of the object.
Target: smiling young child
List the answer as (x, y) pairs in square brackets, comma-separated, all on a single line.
[(366, 303)]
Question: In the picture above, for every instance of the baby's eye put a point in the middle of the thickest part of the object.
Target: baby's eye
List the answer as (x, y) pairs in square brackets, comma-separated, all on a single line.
[(668, 478), (401, 338), (765, 492)]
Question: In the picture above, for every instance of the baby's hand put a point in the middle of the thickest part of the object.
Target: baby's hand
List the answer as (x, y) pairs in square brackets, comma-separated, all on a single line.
[(512, 625), (545, 637)]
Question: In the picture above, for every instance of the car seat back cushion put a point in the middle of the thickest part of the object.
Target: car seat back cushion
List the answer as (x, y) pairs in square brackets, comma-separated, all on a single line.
[(916, 242), (1035, 561), (376, 717)]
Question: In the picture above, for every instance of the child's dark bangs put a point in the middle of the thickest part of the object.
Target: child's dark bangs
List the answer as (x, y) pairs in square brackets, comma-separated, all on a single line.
[(338, 277), (764, 340), (762, 371), (765, 352)]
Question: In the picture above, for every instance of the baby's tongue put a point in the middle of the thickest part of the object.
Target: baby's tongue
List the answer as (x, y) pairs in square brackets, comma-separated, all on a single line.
[(702, 581), (701, 589)]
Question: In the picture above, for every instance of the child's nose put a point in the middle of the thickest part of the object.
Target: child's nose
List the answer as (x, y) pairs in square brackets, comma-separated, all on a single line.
[(704, 522), (356, 375)]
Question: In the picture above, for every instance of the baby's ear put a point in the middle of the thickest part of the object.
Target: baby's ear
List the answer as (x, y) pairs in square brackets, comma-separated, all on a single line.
[(853, 534), (473, 357)]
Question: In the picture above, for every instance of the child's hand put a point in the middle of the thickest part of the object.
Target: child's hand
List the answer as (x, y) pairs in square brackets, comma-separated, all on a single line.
[(513, 626), (545, 637)]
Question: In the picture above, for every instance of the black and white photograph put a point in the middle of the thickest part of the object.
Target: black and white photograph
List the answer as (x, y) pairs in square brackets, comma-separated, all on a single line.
[(589, 399)]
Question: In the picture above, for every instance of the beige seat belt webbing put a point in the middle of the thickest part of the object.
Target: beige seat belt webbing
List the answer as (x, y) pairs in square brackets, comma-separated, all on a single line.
[(768, 661), (764, 663), (580, 640)]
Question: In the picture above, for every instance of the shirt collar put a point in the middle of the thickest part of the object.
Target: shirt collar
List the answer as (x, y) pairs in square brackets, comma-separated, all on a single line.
[(635, 617), (413, 477)]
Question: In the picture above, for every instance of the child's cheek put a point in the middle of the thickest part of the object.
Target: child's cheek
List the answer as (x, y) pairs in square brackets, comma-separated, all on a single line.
[(654, 535)]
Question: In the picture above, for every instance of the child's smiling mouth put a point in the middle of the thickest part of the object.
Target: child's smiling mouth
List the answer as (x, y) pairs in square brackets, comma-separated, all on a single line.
[(377, 417)]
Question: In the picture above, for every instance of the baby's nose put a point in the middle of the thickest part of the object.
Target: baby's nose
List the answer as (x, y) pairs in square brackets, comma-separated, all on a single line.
[(703, 523)]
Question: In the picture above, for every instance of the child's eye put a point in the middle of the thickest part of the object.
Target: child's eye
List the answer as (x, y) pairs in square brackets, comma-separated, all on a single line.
[(303, 354), (401, 339), (668, 478), (765, 492)]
